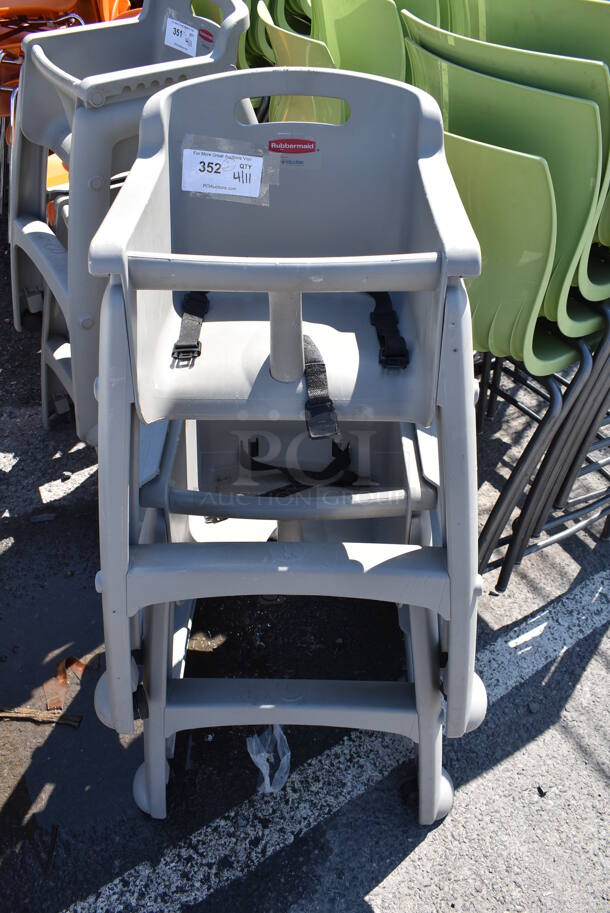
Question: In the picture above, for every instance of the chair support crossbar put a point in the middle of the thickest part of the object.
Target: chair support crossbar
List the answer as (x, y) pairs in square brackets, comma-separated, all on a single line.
[(602, 510), (599, 504), (327, 503), (203, 702)]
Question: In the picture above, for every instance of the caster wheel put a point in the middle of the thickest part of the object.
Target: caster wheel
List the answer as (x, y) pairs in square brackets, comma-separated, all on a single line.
[(445, 802), (140, 790)]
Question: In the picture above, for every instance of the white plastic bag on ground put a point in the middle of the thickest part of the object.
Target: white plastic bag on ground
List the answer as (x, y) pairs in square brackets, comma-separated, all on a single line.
[(271, 754)]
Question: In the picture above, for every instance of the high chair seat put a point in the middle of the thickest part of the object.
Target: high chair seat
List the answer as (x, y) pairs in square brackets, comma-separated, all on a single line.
[(231, 379)]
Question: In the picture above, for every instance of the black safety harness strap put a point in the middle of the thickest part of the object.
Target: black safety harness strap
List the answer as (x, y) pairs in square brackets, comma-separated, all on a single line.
[(320, 415), (393, 352), (194, 308)]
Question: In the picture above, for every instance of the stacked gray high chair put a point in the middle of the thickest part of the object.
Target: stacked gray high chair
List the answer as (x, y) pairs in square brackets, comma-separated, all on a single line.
[(301, 339), (81, 95)]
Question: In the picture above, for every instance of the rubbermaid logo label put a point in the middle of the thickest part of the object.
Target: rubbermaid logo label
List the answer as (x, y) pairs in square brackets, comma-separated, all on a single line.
[(206, 35), (292, 146)]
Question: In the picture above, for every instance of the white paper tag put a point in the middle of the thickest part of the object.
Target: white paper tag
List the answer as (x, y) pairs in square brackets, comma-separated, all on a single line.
[(225, 173), (181, 37)]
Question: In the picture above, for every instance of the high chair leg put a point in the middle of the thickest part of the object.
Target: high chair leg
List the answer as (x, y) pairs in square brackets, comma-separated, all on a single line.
[(405, 626), (115, 417), (45, 395), (27, 194), (152, 776), (435, 786)]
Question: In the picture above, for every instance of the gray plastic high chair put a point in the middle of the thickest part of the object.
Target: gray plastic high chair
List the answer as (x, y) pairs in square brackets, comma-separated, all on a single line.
[(321, 386), (81, 96)]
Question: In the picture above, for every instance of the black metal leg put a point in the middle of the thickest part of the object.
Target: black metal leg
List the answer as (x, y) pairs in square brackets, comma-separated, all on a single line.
[(495, 386), (584, 437), (483, 388), (546, 476), (515, 485), (598, 385), (571, 437)]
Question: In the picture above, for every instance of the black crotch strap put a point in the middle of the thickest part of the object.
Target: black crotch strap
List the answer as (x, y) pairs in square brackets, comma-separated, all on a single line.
[(320, 415), (194, 308), (393, 351), (337, 472), (321, 421)]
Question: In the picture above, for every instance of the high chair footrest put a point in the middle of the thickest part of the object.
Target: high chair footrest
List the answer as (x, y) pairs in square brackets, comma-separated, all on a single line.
[(57, 356), (384, 572), (49, 256), (201, 702)]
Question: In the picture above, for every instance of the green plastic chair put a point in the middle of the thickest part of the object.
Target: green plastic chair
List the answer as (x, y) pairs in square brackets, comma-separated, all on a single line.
[(288, 18), (568, 75), (208, 9), (258, 48), (574, 28), (510, 202), (300, 8), (293, 50), (361, 35), (564, 130), (429, 10)]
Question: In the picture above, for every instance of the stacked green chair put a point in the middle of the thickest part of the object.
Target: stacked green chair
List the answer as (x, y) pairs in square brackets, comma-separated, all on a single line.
[(566, 132), (567, 75), (258, 50), (577, 28), (516, 43), (292, 15), (337, 39), (494, 180), (300, 8), (365, 36)]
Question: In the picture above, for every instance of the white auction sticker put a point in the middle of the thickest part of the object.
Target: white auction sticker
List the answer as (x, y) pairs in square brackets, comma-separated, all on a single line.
[(181, 37), (224, 173)]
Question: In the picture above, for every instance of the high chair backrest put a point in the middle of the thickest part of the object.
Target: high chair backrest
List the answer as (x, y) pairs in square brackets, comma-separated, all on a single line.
[(121, 61)]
